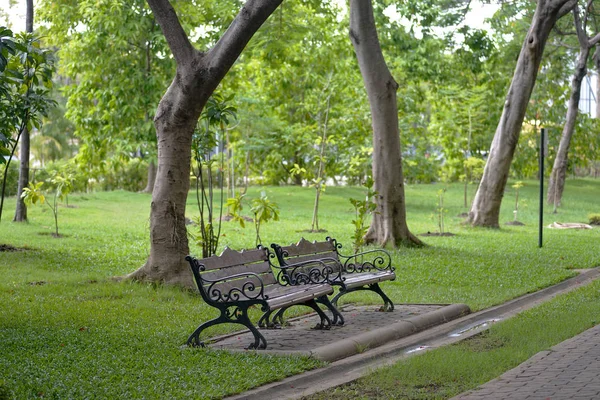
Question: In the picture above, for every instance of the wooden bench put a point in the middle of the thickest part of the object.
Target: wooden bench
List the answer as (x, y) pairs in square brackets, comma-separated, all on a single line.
[(235, 281), (362, 271)]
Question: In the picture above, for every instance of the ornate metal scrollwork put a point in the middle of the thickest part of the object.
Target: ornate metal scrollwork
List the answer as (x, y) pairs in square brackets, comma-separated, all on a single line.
[(248, 290)]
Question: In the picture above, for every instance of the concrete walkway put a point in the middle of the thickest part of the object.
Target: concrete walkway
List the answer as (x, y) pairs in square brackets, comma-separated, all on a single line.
[(365, 328), (570, 370)]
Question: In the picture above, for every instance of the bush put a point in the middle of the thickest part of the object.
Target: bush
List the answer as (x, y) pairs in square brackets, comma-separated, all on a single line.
[(594, 219), (12, 180)]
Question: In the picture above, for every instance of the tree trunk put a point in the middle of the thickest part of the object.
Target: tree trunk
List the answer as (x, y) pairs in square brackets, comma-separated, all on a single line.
[(559, 170), (198, 74), (596, 58), (151, 177), (485, 210), (389, 220), (21, 210), (24, 154)]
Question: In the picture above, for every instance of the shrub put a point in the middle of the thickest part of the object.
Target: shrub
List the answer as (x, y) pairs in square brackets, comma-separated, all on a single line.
[(594, 219), (12, 180)]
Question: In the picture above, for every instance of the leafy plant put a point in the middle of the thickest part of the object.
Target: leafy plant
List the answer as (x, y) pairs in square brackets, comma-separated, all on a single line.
[(205, 141), (234, 207), (25, 79), (33, 194), (440, 210), (473, 171), (362, 210), (264, 210)]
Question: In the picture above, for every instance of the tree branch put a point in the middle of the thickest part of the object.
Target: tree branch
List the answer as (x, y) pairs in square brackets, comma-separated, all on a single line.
[(581, 34), (594, 41), (566, 8), (229, 47), (177, 39)]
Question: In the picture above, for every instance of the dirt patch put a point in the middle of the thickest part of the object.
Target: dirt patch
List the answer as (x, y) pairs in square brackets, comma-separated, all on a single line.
[(515, 223), (52, 234), (313, 231), (463, 215), (8, 247), (437, 234), (230, 217), (37, 283)]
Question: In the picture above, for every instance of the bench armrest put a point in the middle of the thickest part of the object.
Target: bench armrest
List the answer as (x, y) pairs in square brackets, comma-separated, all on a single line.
[(310, 272), (368, 261)]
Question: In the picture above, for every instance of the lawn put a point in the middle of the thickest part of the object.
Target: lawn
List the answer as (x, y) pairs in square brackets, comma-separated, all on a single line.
[(68, 331)]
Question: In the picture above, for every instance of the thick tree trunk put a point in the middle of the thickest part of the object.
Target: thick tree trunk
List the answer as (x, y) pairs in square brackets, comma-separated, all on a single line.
[(559, 170), (24, 154), (151, 177), (21, 210), (198, 74), (485, 210), (389, 221)]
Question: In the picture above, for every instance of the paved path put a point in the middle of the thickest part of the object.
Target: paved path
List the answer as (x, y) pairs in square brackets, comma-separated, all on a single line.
[(365, 328), (570, 370), (299, 335)]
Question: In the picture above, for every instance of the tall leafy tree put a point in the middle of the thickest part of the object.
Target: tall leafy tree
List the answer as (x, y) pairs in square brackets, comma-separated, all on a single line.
[(197, 75), (115, 64), (586, 43), (26, 70), (389, 226), (24, 154), (485, 209)]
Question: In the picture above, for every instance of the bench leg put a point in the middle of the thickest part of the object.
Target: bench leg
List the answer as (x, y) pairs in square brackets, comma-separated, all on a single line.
[(338, 319), (279, 317), (387, 306), (194, 339), (325, 321), (266, 321), (235, 315)]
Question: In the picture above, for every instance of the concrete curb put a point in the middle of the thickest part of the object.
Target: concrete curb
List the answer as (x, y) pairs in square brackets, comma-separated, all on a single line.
[(378, 337)]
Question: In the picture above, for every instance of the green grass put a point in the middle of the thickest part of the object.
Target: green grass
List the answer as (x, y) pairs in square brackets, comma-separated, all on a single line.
[(448, 371), (68, 330)]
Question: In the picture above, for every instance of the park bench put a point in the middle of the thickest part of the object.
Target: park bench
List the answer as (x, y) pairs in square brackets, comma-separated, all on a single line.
[(361, 271), (235, 281)]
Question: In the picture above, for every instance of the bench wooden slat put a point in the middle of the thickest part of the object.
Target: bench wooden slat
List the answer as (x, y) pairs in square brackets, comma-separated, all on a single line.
[(231, 257), (367, 278), (215, 274), (305, 247), (312, 257), (295, 296)]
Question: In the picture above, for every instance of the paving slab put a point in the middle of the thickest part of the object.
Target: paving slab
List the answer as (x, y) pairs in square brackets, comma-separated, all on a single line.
[(569, 370), (365, 327)]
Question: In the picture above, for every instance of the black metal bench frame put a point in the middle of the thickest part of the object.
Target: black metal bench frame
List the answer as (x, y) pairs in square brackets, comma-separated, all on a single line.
[(361, 271), (235, 281)]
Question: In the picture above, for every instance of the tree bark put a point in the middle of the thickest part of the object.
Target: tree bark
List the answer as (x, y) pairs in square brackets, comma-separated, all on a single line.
[(559, 170), (485, 210), (24, 154), (151, 177), (596, 58), (388, 226), (197, 76)]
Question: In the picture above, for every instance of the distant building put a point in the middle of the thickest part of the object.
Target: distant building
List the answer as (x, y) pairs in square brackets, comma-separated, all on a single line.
[(587, 102)]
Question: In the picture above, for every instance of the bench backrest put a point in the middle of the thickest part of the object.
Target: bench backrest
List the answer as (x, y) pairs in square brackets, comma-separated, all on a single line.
[(233, 275), (305, 251)]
